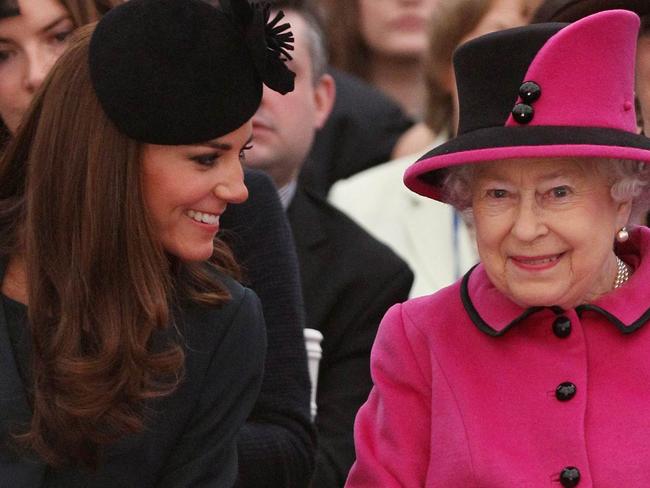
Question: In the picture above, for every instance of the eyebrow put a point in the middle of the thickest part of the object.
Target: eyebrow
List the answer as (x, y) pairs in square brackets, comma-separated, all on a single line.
[(221, 145), (47, 27), (8, 8)]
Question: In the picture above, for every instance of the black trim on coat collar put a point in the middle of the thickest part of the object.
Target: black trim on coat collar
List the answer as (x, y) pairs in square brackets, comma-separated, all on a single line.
[(482, 324), (580, 309), (476, 317), (625, 329)]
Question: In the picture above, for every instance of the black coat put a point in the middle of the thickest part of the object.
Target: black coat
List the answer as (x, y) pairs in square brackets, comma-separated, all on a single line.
[(190, 435), (277, 443), (349, 281), (360, 133)]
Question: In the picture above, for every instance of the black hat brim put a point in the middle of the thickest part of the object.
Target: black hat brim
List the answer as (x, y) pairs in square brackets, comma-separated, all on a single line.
[(425, 176)]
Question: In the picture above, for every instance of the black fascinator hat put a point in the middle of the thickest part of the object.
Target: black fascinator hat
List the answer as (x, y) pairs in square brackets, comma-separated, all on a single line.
[(182, 71)]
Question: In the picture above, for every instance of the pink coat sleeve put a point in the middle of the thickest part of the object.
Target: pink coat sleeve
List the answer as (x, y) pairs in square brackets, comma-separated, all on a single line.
[(392, 429)]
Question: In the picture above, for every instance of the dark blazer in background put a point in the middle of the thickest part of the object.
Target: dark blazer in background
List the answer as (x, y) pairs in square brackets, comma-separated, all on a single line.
[(277, 443), (349, 281), (190, 435), (360, 133)]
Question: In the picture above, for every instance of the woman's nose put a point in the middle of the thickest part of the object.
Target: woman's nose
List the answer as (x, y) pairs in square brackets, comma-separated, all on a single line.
[(529, 222), (38, 66), (231, 187)]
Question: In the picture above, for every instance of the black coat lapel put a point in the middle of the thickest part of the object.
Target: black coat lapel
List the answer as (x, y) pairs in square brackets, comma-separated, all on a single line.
[(15, 413)]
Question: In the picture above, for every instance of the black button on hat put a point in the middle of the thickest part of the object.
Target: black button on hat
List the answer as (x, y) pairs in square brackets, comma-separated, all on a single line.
[(570, 477), (562, 327), (529, 91), (523, 113), (565, 391)]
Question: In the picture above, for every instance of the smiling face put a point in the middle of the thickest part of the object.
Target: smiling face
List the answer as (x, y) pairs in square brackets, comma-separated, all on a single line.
[(545, 230), (187, 188), (395, 28), (30, 43)]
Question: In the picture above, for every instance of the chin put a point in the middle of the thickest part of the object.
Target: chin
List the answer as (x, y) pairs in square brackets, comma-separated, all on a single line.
[(194, 255), (540, 298)]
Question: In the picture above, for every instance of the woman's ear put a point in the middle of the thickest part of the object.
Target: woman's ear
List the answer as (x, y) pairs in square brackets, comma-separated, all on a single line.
[(624, 214), (324, 96)]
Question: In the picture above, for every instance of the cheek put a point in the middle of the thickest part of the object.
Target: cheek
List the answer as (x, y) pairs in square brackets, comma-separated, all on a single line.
[(429, 7), (490, 237), (153, 197), (371, 19), (9, 88), (161, 190), (492, 229)]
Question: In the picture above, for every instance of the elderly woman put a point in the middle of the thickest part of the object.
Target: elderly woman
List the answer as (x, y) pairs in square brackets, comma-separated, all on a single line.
[(533, 370)]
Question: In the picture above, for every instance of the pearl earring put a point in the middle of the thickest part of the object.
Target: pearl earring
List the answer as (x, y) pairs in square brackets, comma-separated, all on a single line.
[(622, 235)]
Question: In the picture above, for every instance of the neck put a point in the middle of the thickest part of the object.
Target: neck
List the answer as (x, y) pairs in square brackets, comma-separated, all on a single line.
[(401, 79)]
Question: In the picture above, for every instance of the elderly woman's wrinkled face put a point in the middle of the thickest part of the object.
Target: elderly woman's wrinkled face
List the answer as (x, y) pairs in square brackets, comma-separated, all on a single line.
[(30, 43), (545, 230)]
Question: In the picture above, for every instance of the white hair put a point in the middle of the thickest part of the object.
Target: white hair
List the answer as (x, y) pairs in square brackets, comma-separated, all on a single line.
[(628, 179)]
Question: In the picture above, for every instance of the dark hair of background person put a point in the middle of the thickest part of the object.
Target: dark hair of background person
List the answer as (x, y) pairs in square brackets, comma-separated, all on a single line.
[(99, 284), (451, 23), (572, 10), (81, 12), (348, 51)]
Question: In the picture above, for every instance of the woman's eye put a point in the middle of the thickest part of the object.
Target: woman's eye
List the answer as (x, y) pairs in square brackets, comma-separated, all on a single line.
[(4, 56), (497, 193), (560, 192), (242, 153), (206, 159), (62, 36)]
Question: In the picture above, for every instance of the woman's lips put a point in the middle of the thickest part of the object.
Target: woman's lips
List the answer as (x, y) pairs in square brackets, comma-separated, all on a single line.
[(536, 263), (409, 23)]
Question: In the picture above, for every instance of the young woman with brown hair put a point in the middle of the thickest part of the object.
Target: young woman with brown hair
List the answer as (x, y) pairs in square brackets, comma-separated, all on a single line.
[(382, 42), (130, 356)]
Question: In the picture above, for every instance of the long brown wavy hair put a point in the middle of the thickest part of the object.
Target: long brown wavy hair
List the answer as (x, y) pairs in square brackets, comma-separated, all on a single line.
[(82, 12), (99, 284)]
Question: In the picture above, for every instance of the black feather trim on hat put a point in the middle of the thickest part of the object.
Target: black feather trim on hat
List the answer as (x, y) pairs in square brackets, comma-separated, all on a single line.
[(268, 42)]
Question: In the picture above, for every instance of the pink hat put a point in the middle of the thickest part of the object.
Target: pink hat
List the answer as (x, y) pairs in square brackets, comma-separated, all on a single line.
[(542, 91)]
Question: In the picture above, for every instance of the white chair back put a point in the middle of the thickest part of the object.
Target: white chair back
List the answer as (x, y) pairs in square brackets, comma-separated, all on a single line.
[(313, 339)]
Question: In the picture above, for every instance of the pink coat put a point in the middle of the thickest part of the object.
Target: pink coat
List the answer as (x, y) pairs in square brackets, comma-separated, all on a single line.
[(466, 390)]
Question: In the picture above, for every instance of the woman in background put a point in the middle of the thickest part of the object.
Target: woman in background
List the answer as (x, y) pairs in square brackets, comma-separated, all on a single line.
[(382, 42), (33, 34)]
